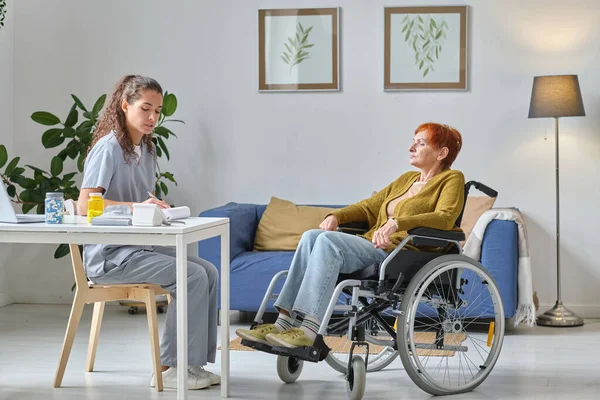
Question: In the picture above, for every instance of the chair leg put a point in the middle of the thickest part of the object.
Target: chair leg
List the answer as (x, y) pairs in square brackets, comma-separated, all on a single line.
[(74, 318), (154, 339), (94, 333)]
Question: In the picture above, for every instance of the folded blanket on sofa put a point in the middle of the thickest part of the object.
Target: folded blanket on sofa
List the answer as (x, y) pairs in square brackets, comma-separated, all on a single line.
[(472, 248)]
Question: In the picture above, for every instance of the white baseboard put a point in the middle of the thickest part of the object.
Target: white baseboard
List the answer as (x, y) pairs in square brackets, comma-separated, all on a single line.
[(583, 310), (5, 299)]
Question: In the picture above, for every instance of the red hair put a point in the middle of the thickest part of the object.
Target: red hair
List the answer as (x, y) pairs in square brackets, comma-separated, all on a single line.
[(439, 136)]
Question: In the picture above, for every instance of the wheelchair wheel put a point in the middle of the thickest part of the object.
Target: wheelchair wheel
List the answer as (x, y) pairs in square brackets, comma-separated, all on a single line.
[(380, 355), (356, 379), (289, 368), (450, 334)]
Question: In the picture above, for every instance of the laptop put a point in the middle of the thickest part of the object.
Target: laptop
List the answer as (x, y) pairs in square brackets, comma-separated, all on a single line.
[(7, 213)]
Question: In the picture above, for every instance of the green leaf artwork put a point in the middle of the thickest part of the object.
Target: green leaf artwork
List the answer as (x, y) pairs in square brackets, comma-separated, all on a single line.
[(2, 12), (296, 47), (426, 36)]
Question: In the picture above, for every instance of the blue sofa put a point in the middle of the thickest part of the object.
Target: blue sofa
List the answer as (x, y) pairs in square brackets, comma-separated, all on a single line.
[(251, 271)]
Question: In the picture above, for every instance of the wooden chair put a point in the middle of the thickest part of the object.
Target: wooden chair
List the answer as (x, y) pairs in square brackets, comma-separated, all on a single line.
[(87, 292)]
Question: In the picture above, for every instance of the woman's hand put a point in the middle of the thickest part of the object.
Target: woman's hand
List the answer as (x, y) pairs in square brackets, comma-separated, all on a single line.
[(330, 223), (381, 237), (158, 202)]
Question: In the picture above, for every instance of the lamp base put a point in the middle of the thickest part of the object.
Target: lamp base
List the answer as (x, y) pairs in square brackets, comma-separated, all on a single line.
[(559, 316)]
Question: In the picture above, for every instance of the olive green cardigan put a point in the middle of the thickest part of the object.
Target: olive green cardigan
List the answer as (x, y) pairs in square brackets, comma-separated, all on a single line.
[(437, 205)]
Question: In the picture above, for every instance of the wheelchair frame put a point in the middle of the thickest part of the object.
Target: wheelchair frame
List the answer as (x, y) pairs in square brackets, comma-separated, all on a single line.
[(387, 293)]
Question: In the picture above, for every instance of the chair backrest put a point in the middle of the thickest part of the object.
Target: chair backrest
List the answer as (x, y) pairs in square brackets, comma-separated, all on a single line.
[(71, 207), (78, 268), (479, 186)]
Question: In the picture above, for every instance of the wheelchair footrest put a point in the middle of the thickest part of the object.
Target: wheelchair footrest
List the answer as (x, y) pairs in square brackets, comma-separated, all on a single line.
[(313, 353)]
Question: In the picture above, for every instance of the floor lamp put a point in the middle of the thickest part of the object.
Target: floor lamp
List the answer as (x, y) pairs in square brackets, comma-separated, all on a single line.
[(557, 96)]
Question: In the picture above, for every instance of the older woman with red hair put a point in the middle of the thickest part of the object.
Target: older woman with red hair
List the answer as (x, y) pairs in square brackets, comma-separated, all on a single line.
[(431, 197)]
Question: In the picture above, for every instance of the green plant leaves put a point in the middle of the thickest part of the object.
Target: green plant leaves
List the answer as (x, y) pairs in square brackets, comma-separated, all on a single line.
[(169, 104), (81, 162), (72, 117), (98, 106), (45, 118), (163, 146), (12, 165), (3, 155), (68, 132), (162, 131), (52, 138), (61, 251), (78, 102), (56, 166), (25, 183), (170, 177)]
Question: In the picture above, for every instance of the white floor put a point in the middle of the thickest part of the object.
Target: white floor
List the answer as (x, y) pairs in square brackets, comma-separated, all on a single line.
[(539, 363)]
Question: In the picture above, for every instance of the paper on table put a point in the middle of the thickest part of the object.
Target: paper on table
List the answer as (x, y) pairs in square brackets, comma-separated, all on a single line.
[(121, 220), (176, 212), (114, 215)]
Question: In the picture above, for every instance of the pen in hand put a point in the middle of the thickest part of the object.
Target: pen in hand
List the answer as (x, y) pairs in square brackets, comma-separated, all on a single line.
[(153, 196), (162, 205)]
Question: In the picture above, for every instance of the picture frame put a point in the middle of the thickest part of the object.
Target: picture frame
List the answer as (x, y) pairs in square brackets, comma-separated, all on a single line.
[(298, 49), (425, 48)]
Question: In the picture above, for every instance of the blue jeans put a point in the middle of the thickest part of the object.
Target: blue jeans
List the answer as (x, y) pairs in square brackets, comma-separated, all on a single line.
[(320, 257)]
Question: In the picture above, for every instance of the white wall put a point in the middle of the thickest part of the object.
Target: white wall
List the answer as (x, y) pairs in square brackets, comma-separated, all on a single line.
[(241, 145), (6, 129)]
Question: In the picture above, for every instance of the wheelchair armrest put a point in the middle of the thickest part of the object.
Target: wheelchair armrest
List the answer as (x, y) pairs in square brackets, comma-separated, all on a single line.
[(435, 237), (354, 228)]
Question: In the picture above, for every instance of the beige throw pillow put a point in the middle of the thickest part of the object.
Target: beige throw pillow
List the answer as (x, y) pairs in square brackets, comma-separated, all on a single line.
[(283, 223), (475, 207)]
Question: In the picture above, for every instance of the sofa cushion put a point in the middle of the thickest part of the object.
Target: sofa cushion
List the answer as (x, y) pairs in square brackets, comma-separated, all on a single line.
[(283, 223), (251, 273), (474, 208), (242, 223)]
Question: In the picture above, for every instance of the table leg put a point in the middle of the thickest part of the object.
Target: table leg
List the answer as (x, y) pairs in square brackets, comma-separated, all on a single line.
[(225, 312), (182, 326)]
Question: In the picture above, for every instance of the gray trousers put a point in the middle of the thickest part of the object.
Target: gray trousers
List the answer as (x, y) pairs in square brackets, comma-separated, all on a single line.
[(158, 267)]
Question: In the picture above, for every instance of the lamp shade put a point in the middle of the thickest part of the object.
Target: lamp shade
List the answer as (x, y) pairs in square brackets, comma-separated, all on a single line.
[(556, 96)]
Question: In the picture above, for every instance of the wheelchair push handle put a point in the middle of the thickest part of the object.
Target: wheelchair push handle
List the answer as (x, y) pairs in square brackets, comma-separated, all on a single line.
[(483, 188)]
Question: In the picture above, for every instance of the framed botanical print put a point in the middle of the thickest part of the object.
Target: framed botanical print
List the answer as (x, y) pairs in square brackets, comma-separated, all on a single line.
[(298, 49), (425, 48)]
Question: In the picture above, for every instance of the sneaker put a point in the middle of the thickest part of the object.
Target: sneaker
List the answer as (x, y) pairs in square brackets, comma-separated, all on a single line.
[(258, 333), (201, 372), (170, 380), (291, 338)]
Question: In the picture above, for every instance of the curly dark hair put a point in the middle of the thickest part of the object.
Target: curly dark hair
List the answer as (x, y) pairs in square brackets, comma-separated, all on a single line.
[(129, 88)]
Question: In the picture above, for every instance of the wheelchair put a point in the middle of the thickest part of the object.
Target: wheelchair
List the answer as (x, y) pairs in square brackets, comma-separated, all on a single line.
[(440, 312)]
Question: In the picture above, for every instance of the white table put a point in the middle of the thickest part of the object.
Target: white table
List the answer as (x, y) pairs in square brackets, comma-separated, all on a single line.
[(76, 230)]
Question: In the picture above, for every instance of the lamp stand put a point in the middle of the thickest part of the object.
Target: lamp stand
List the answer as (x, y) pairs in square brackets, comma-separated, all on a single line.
[(558, 315)]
